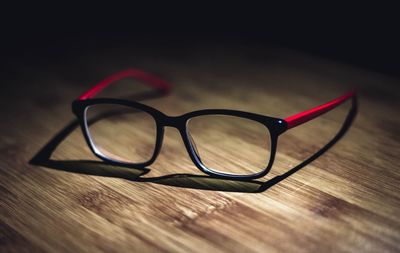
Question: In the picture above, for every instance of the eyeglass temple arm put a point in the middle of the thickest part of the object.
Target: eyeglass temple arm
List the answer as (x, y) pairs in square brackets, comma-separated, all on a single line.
[(308, 115), (151, 80)]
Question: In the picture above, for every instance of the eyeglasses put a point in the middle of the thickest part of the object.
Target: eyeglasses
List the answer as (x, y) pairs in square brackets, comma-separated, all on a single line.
[(222, 143)]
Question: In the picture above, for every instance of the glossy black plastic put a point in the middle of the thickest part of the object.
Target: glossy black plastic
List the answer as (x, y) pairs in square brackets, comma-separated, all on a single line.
[(274, 125)]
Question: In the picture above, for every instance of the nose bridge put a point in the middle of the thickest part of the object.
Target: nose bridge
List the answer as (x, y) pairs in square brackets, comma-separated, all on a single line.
[(173, 121)]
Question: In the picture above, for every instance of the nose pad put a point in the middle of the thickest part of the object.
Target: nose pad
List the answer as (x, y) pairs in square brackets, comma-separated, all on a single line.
[(194, 146)]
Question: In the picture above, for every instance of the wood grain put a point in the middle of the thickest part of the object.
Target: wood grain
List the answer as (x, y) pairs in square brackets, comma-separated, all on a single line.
[(347, 200)]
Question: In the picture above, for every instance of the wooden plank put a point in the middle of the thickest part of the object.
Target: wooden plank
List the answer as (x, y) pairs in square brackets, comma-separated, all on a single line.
[(347, 200)]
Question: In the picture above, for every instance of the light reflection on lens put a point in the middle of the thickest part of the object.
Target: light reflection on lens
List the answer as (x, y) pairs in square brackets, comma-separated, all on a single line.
[(121, 133), (230, 144)]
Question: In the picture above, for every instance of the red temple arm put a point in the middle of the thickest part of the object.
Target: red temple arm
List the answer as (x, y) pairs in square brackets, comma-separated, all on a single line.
[(308, 115), (129, 73)]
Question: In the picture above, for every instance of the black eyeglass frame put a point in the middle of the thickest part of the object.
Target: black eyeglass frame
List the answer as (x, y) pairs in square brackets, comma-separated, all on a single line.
[(275, 127)]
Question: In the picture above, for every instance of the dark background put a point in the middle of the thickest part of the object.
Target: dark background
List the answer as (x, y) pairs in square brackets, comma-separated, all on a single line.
[(366, 36)]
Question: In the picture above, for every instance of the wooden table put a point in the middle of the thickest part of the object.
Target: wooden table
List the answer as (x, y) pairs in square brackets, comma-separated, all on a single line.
[(346, 200)]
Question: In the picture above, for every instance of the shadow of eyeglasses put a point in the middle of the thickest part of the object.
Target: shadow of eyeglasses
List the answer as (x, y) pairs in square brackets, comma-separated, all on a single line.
[(203, 182)]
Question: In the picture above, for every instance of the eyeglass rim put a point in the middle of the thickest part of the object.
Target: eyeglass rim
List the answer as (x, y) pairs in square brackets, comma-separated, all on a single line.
[(275, 127)]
